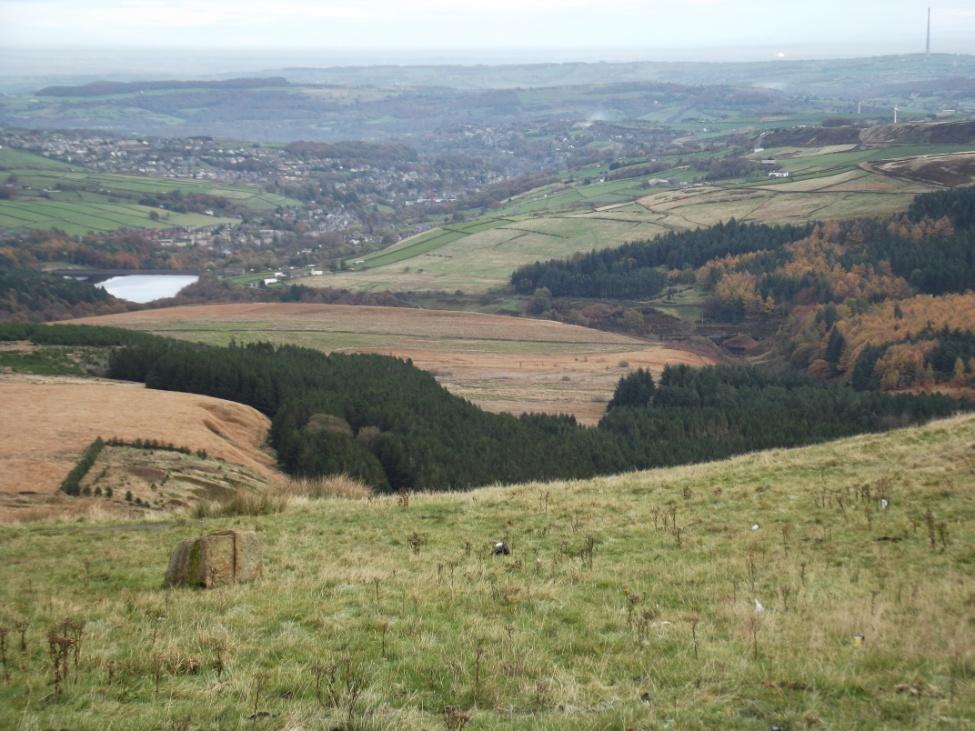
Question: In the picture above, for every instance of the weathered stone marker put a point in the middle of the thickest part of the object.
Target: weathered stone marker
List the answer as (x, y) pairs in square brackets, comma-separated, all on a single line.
[(216, 559)]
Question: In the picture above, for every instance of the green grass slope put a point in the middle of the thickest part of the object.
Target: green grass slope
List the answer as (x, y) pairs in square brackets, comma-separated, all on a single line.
[(627, 602), (586, 212), (55, 195)]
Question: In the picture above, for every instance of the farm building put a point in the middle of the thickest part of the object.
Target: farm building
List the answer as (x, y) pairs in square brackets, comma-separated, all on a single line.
[(741, 345)]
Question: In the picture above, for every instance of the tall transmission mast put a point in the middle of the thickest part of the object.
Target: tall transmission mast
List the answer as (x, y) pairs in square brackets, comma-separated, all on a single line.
[(927, 46)]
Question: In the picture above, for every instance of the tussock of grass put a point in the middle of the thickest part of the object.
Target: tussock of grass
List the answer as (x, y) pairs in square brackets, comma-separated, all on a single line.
[(627, 602), (241, 504), (333, 486), (295, 493)]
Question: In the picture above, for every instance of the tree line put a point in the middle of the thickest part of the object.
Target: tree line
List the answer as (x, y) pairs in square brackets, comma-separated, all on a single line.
[(638, 269), (384, 421), (27, 294)]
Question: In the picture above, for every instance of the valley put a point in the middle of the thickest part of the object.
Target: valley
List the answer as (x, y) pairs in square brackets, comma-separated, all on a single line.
[(615, 395), (502, 364), (823, 184)]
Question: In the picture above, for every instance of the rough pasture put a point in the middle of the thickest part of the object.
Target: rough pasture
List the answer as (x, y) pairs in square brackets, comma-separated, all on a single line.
[(627, 602), (500, 363)]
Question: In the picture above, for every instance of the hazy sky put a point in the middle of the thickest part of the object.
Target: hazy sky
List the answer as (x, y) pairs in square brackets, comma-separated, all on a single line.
[(796, 27)]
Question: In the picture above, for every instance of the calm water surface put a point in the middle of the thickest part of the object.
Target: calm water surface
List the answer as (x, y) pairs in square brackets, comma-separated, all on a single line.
[(144, 288)]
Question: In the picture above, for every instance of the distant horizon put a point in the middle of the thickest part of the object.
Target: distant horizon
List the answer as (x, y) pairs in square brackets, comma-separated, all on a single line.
[(192, 62)]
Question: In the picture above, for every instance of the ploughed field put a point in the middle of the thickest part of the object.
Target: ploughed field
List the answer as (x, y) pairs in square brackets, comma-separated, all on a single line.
[(48, 422), (500, 363), (828, 587)]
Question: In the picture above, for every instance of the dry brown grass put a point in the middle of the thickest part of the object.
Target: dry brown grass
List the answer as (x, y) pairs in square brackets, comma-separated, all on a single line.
[(509, 364), (361, 319), (952, 169), (279, 499), (48, 422), (242, 503), (340, 487)]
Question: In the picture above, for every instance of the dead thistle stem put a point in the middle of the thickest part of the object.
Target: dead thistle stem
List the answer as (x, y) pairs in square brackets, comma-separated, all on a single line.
[(355, 684), (478, 654), (338, 681), (22, 627), (322, 674), (454, 718), (74, 629), (694, 622), (588, 551), (259, 681), (3, 653), (157, 668), (932, 530), (753, 626), (59, 650), (416, 542)]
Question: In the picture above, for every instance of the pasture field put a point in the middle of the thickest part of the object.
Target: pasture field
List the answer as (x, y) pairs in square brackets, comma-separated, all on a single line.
[(772, 590), (482, 261), (480, 256), (100, 216), (572, 216), (56, 195), (500, 363)]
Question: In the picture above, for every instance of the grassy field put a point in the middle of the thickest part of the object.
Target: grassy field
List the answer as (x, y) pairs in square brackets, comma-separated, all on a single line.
[(55, 195), (48, 361), (482, 261), (572, 216), (772, 590), (500, 363)]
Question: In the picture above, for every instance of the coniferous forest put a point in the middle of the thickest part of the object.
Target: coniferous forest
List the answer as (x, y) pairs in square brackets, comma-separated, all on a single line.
[(384, 421), (636, 269)]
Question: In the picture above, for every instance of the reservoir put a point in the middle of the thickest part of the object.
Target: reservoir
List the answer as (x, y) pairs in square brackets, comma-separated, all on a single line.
[(144, 288)]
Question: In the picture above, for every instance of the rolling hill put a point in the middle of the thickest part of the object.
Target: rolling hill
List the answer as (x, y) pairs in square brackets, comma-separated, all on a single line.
[(825, 182), (824, 587), (57, 195), (49, 421), (499, 363)]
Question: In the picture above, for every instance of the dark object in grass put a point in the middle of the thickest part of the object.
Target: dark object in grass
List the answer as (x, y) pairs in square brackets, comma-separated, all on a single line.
[(501, 549)]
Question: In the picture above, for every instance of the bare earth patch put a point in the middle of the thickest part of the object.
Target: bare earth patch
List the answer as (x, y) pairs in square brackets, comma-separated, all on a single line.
[(510, 364)]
